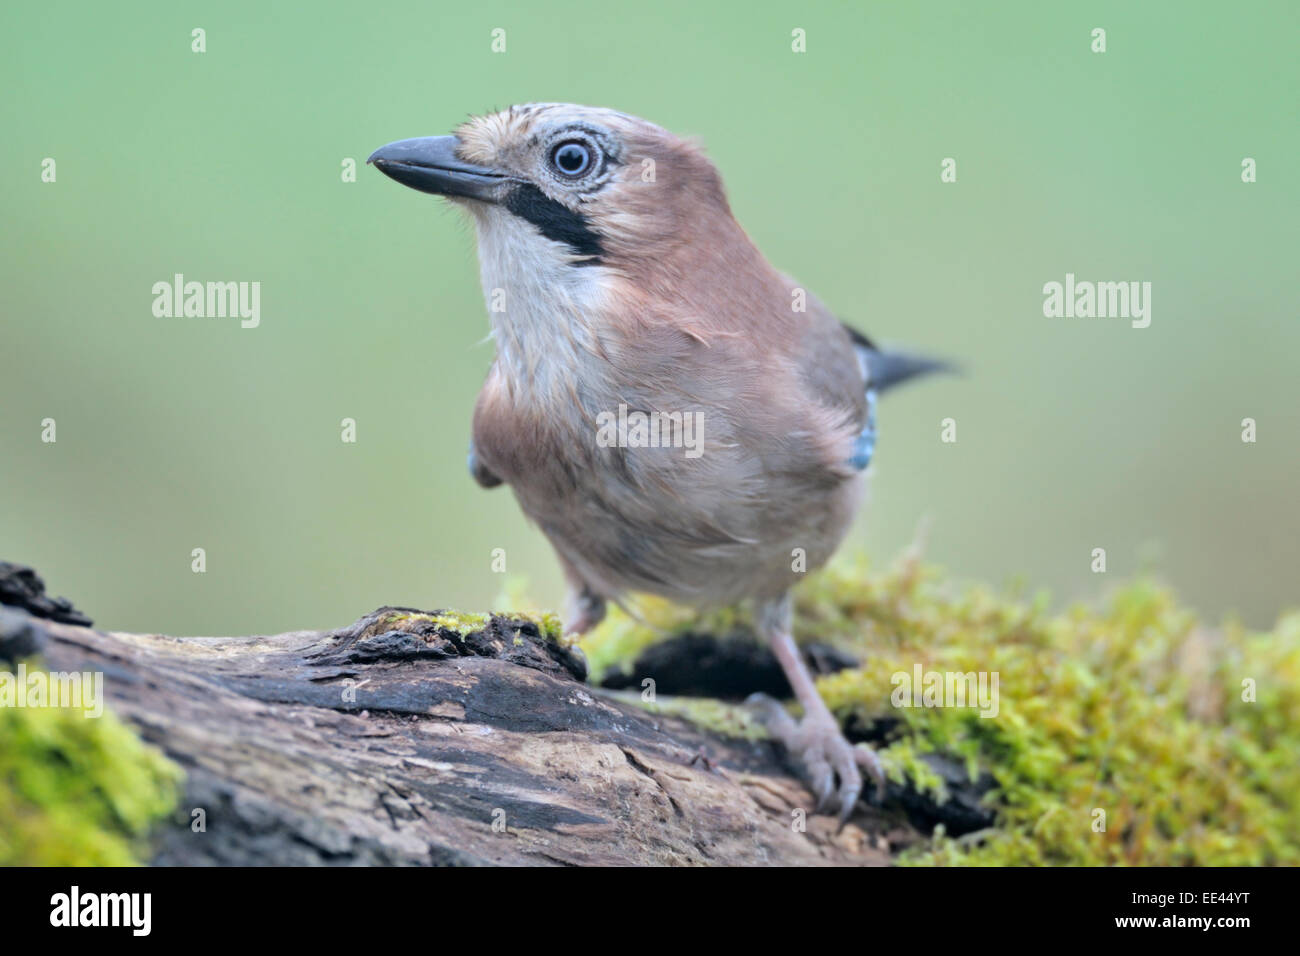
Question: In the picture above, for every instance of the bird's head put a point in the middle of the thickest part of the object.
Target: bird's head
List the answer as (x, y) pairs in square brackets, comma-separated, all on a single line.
[(571, 184)]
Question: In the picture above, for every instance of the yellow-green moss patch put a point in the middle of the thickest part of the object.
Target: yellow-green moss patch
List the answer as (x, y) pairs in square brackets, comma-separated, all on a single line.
[(76, 791), (461, 622), (548, 623)]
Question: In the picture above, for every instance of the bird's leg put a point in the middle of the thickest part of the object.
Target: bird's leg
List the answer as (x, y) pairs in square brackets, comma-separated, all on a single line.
[(816, 741), (585, 608)]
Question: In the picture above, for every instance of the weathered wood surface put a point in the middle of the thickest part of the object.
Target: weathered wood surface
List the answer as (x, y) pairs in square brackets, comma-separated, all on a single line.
[(402, 743)]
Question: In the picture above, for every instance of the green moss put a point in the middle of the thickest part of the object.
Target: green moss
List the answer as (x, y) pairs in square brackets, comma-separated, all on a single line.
[(514, 594), (548, 623), (76, 791), (1134, 709), (458, 621)]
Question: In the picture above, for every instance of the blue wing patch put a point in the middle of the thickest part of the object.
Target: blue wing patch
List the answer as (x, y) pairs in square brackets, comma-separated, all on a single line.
[(864, 446)]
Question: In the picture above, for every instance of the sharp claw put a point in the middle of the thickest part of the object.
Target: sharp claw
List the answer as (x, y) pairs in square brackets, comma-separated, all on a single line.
[(850, 780), (846, 769), (822, 781), (849, 800), (869, 761)]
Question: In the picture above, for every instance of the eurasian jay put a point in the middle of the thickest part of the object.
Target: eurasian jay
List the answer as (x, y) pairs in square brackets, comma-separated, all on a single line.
[(619, 283)]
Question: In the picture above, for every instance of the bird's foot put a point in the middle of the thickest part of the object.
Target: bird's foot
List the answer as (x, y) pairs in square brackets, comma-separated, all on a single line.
[(585, 610), (831, 765)]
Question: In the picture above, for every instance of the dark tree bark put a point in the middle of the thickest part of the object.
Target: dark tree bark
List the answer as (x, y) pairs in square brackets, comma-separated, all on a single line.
[(398, 740)]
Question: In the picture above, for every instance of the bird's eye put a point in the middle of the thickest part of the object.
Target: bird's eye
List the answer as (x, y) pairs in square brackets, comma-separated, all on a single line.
[(571, 159)]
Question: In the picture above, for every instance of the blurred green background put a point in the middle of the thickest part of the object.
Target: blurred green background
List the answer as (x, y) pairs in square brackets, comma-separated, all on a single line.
[(1072, 433)]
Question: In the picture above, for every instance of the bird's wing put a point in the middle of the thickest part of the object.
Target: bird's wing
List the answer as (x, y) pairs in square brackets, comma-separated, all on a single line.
[(844, 371), (833, 382)]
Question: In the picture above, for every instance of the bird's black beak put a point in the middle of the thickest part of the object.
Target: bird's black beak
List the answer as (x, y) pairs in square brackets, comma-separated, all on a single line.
[(429, 164)]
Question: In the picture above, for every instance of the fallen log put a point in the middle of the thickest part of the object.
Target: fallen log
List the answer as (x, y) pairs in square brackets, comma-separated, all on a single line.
[(414, 737)]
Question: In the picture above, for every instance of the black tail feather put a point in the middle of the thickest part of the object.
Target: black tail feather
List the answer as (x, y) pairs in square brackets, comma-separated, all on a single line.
[(887, 369), (890, 368)]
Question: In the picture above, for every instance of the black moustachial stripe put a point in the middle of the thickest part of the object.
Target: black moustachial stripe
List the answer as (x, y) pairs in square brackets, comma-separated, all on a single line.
[(555, 220)]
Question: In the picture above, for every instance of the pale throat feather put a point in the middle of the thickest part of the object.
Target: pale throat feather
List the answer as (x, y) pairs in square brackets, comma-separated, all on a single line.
[(545, 310)]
